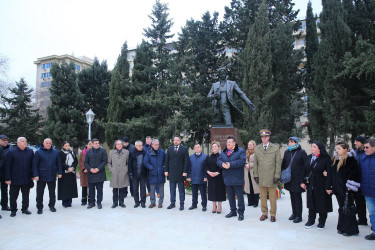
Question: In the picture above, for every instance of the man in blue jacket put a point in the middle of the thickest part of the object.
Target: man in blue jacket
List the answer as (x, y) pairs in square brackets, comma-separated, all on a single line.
[(18, 174), (232, 160), (367, 164), (154, 162), (46, 165), (198, 177)]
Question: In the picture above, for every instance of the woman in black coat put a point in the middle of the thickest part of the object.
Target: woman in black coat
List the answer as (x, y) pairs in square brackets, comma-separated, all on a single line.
[(344, 168), (295, 156), (216, 186), (316, 183), (67, 184)]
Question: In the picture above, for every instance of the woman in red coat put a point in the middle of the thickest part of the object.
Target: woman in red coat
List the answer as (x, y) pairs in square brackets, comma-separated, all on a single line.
[(83, 173)]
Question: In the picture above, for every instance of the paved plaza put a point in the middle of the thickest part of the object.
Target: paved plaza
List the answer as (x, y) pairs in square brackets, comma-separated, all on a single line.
[(144, 228)]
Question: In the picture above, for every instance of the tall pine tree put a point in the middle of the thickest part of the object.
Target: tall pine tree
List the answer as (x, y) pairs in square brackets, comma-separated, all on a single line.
[(66, 114), (93, 83), (19, 116)]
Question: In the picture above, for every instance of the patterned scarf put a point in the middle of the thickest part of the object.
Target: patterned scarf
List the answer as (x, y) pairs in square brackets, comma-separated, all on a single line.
[(230, 151), (249, 153)]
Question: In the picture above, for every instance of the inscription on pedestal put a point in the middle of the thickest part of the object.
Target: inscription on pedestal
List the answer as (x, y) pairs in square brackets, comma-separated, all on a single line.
[(221, 134)]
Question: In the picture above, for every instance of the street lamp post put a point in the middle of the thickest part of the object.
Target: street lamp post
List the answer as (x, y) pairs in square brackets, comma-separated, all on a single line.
[(90, 118)]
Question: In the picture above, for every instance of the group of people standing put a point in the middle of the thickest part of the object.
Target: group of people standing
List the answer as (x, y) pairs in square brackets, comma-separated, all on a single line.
[(221, 174)]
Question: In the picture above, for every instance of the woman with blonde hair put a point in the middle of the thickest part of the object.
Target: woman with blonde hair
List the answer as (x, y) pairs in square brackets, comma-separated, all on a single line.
[(251, 187), (216, 186), (344, 168)]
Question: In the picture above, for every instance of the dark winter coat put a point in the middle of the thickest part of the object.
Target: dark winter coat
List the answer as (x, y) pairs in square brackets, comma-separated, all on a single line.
[(96, 158), (130, 148), (177, 163), (297, 169), (18, 166), (317, 197), (233, 176), (154, 162), (136, 170), (47, 164), (67, 184), (197, 168), (348, 171), (359, 154), (147, 147), (3, 153), (367, 165)]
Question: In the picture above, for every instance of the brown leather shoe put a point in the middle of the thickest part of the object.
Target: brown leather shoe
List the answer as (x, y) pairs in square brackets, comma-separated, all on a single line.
[(152, 205), (160, 205), (263, 217), (273, 218)]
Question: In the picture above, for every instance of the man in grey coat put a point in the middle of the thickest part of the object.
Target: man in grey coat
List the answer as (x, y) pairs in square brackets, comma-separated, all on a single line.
[(95, 161)]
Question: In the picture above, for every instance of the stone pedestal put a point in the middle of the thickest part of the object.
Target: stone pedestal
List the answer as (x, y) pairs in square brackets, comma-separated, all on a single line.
[(221, 134)]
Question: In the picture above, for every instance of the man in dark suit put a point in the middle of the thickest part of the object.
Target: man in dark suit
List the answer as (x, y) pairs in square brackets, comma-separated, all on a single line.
[(176, 168), (18, 174), (95, 161)]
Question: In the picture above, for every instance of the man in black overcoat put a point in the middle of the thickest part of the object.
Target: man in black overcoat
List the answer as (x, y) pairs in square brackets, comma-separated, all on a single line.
[(176, 168)]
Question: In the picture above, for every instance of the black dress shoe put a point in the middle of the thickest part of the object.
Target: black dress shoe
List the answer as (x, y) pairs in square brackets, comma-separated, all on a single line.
[(362, 223), (26, 212), (348, 235), (114, 205), (6, 208), (340, 232), (255, 205), (136, 205), (250, 204), (204, 209), (100, 206), (13, 214), (52, 209), (143, 205), (122, 205), (40, 211), (297, 220), (171, 206), (292, 217), (90, 206), (370, 236), (192, 207), (240, 217), (181, 207), (231, 214), (83, 203)]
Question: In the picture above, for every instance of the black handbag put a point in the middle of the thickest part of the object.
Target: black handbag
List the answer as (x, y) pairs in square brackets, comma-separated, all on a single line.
[(349, 206)]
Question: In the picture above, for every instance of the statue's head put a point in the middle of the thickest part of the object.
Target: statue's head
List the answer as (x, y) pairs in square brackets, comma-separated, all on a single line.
[(222, 73)]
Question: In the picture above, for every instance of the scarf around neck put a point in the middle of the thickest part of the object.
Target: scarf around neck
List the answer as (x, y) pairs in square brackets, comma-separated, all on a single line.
[(69, 157)]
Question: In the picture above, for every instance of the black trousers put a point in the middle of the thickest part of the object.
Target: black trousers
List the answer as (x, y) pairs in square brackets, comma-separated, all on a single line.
[(118, 195), (99, 187), (14, 192), (322, 217), (252, 199), (203, 190), (360, 203), (40, 186), (85, 195), (296, 201), (139, 189), (4, 193), (232, 192), (347, 223)]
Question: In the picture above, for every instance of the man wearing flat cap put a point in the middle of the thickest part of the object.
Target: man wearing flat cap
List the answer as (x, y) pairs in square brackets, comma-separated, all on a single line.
[(267, 170)]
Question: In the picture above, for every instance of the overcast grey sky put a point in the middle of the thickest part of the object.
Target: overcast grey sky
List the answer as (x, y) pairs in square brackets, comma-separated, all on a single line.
[(94, 28)]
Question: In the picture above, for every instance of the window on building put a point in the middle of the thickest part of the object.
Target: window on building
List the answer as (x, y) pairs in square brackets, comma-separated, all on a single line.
[(77, 67), (45, 75), (301, 42), (45, 84), (303, 25), (46, 65)]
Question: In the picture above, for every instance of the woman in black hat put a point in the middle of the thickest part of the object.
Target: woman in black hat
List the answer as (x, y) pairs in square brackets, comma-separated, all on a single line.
[(316, 183), (295, 157)]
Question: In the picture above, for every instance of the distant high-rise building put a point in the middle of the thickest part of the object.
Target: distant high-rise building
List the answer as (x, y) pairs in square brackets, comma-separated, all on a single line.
[(44, 78)]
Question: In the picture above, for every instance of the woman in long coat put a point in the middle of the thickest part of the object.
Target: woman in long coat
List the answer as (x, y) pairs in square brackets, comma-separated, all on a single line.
[(216, 186), (251, 187), (318, 200), (83, 174), (118, 166), (344, 168), (295, 156), (67, 184)]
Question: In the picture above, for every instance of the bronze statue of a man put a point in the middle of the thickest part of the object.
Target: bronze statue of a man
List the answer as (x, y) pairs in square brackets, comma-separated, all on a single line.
[(224, 105)]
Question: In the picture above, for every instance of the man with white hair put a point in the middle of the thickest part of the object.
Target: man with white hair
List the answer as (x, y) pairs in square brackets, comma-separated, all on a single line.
[(46, 165), (18, 169)]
